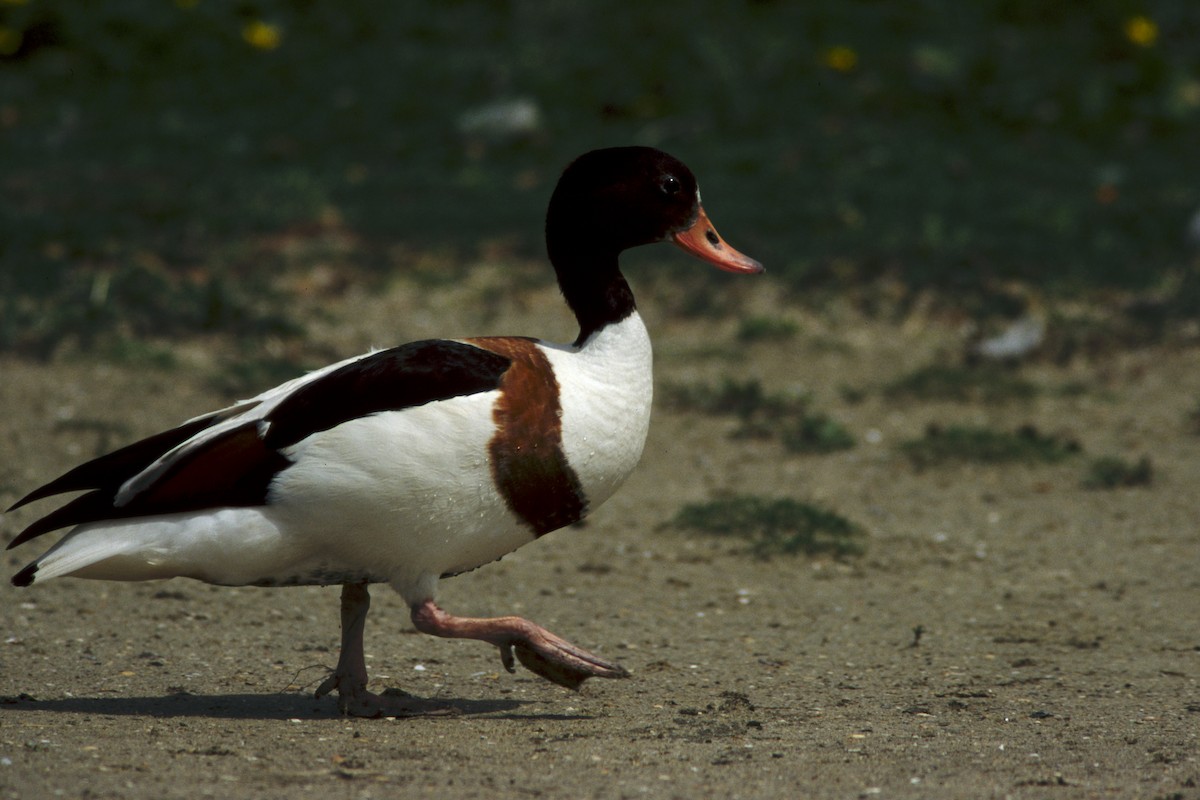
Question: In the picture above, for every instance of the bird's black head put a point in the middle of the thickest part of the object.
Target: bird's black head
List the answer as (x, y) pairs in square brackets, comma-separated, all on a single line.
[(610, 200)]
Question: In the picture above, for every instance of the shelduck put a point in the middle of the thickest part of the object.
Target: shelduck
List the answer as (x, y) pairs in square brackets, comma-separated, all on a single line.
[(412, 464)]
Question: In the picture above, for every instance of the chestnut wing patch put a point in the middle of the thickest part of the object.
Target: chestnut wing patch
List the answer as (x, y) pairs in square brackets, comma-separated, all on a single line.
[(232, 469), (109, 471), (236, 468)]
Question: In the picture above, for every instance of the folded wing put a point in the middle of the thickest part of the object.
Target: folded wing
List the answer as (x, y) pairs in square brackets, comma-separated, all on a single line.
[(229, 458)]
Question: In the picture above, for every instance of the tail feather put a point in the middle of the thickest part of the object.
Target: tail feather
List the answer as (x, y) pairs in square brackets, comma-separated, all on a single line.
[(233, 546), (93, 505), (74, 554), (109, 471), (26, 576)]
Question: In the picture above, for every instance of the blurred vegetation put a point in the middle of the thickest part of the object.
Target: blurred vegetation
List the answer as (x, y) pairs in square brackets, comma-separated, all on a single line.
[(745, 399), (147, 147), (764, 415), (816, 433), (981, 383), (766, 329), (960, 443), (775, 526), (1113, 472)]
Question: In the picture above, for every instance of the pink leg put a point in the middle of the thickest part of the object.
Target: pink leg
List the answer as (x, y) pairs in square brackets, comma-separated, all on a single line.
[(350, 677), (553, 658)]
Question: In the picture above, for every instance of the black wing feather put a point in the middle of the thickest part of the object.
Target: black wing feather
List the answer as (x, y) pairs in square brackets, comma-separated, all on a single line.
[(91, 506), (390, 380), (109, 471), (236, 468)]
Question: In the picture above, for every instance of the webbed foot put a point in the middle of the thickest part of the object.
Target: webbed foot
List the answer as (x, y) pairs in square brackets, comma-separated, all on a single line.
[(542, 653), (354, 700)]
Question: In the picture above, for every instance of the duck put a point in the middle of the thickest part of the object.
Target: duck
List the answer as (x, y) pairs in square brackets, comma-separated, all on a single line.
[(409, 465)]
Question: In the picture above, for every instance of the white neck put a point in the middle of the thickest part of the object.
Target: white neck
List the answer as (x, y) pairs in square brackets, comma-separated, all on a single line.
[(606, 389)]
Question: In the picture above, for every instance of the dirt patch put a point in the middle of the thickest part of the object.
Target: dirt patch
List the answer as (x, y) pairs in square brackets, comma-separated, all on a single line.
[(1006, 632)]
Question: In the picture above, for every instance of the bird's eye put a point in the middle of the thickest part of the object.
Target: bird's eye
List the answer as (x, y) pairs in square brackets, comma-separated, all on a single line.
[(670, 185)]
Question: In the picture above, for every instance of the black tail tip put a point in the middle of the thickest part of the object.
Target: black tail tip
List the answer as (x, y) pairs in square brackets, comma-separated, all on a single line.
[(25, 576)]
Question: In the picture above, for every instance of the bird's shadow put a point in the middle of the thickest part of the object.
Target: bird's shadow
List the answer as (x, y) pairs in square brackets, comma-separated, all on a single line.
[(242, 706)]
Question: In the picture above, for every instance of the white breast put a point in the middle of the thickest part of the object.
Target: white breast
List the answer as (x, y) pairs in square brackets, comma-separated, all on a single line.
[(606, 389)]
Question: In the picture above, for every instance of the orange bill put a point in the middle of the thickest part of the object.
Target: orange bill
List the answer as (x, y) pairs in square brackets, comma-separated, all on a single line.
[(703, 241)]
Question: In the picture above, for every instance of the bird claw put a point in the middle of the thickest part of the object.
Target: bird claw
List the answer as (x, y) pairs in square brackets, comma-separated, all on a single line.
[(559, 662), (355, 701), (506, 657)]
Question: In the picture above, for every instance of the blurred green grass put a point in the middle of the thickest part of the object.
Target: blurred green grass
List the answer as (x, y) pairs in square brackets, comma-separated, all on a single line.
[(145, 146)]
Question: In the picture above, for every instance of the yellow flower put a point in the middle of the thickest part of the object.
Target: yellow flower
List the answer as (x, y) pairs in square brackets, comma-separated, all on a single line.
[(1141, 30), (841, 58), (262, 35), (10, 41)]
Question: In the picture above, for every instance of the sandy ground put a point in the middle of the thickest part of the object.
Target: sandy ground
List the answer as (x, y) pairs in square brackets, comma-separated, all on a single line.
[(1059, 653)]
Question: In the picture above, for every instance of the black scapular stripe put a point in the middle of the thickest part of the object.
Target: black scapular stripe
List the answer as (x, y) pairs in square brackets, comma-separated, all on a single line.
[(390, 380)]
